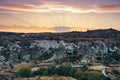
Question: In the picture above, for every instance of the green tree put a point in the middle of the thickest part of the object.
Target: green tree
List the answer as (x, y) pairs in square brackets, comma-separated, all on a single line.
[(45, 73), (24, 72)]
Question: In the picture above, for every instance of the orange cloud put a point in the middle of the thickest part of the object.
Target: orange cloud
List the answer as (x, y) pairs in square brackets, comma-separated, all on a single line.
[(34, 29), (25, 29)]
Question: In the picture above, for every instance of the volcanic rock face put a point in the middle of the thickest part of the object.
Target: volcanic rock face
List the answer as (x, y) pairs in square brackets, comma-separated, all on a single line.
[(52, 50), (71, 46)]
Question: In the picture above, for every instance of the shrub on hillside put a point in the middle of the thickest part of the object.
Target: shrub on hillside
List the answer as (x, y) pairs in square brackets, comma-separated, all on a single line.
[(24, 72)]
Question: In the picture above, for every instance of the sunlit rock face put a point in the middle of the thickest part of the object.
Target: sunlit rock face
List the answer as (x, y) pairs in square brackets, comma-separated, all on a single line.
[(47, 44), (57, 50)]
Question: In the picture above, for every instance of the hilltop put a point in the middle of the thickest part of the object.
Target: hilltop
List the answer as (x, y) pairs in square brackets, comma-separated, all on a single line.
[(67, 36)]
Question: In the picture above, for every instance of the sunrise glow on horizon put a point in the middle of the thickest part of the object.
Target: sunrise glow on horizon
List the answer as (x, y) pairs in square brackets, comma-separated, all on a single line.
[(58, 15)]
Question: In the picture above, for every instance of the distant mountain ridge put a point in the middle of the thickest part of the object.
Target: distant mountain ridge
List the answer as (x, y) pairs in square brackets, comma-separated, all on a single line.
[(100, 33)]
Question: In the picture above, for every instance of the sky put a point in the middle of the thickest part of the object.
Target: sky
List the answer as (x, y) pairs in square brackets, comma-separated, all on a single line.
[(58, 15)]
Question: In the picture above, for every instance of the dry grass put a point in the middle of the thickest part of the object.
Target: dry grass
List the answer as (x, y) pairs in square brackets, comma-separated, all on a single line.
[(47, 78), (22, 65), (96, 67)]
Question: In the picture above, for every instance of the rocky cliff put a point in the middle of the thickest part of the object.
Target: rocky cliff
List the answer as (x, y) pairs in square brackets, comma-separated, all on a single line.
[(60, 47)]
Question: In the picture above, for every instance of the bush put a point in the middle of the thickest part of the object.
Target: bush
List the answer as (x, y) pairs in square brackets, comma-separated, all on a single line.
[(24, 72), (72, 72)]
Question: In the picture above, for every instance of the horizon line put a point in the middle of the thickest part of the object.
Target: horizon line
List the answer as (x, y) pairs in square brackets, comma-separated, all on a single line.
[(55, 32)]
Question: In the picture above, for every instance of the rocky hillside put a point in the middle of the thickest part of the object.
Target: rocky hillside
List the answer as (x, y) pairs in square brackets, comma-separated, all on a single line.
[(103, 45)]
